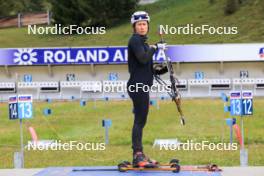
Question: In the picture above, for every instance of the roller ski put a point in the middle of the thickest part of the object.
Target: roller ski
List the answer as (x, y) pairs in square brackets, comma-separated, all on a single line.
[(172, 166), (206, 168), (143, 163)]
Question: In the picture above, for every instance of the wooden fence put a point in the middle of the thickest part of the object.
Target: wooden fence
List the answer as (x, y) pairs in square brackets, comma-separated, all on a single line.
[(25, 19)]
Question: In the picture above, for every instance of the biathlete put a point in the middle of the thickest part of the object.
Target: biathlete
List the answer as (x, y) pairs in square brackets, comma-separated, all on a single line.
[(142, 71)]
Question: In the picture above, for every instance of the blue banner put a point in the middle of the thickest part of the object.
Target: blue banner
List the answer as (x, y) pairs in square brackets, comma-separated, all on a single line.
[(118, 55), (44, 56)]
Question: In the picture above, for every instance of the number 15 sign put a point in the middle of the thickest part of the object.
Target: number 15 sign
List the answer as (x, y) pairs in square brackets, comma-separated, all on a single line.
[(20, 107)]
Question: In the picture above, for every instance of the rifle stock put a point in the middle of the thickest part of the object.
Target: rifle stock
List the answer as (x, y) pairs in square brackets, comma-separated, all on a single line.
[(175, 95)]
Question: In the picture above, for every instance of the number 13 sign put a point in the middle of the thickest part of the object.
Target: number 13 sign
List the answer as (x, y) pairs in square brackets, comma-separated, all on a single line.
[(236, 105)]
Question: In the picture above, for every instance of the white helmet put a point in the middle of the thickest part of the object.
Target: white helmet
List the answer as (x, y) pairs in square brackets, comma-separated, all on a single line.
[(140, 16)]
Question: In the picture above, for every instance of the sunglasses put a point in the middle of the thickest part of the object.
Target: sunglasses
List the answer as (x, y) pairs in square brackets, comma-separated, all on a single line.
[(141, 17)]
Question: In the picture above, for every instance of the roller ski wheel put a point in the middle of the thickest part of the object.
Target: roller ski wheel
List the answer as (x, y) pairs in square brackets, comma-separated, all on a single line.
[(122, 167), (176, 168), (213, 168)]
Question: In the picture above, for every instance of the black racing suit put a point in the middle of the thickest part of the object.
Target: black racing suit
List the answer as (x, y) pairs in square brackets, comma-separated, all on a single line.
[(140, 66)]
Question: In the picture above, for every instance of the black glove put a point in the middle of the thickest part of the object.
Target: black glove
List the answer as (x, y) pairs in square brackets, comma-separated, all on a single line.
[(160, 69)]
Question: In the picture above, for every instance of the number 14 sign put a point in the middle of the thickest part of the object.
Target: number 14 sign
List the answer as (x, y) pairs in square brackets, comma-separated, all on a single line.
[(20, 107), (241, 103)]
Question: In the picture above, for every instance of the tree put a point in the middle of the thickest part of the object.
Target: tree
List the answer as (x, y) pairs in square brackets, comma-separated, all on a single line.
[(67, 12), (5, 7), (93, 13), (211, 1), (32, 5), (231, 7), (12, 7)]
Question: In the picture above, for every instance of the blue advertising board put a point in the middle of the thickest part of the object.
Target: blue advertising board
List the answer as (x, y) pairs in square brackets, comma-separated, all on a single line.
[(119, 54)]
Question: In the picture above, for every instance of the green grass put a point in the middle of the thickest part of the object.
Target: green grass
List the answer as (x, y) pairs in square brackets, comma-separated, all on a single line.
[(249, 19), (205, 117), (69, 121)]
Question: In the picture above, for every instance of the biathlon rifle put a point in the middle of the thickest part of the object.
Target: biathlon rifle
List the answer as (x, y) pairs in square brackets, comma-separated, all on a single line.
[(174, 92)]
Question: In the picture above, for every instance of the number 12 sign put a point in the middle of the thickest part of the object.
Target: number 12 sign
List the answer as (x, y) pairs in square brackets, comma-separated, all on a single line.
[(247, 103), (241, 103)]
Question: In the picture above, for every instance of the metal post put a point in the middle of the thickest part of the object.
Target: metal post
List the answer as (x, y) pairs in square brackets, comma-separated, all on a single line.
[(243, 151), (21, 130), (19, 22), (231, 134), (21, 141), (242, 132), (38, 93), (106, 135), (241, 117), (48, 17)]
